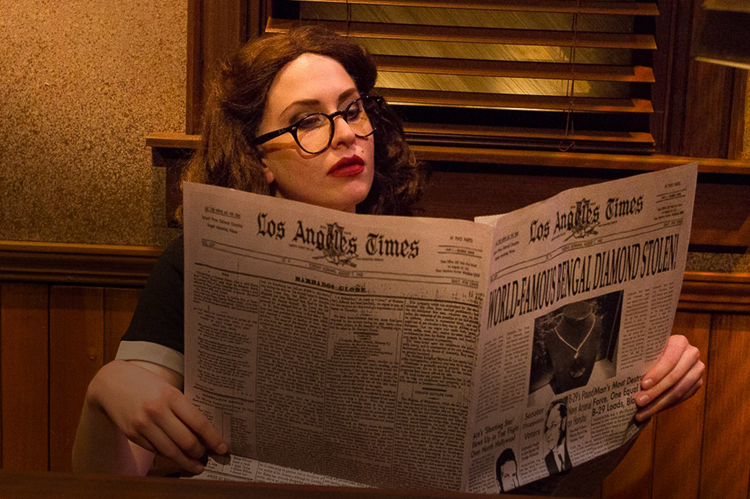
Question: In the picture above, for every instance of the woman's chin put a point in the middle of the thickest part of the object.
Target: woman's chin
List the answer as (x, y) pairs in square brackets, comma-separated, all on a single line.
[(353, 195)]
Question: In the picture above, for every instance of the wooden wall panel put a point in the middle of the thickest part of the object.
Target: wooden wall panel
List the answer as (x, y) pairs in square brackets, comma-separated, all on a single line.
[(679, 431), (725, 465), (708, 111), (632, 477), (119, 305), (216, 29), (23, 359), (76, 353)]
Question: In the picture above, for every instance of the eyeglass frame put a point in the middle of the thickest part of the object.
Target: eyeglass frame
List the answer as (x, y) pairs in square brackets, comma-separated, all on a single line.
[(292, 129)]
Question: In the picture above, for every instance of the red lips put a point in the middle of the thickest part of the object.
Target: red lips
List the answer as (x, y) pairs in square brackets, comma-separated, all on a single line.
[(347, 167)]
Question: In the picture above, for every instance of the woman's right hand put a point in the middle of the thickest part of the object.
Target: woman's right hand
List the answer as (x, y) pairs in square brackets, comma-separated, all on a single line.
[(143, 400)]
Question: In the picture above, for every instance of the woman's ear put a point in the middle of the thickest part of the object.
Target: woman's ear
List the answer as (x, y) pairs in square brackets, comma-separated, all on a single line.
[(269, 175)]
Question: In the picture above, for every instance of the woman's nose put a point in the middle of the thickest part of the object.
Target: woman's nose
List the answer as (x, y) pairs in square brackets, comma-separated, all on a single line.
[(342, 132)]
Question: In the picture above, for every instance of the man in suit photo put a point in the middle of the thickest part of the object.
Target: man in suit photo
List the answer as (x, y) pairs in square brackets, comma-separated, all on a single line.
[(555, 433)]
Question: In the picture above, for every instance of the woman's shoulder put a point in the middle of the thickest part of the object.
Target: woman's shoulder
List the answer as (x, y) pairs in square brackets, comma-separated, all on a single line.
[(173, 255)]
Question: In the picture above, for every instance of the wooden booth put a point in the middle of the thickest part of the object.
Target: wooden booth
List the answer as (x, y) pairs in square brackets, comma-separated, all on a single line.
[(600, 90)]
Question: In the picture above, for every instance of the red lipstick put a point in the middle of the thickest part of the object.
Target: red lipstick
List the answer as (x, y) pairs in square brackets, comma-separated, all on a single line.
[(347, 167)]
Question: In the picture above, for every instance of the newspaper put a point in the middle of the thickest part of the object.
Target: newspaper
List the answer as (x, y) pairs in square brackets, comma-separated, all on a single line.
[(429, 353)]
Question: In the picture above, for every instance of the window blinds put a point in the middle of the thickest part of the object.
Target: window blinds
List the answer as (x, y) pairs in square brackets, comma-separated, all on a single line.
[(538, 74)]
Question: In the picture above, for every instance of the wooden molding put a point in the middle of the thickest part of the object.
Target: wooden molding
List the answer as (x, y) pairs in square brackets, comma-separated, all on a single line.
[(27, 485), (76, 263), (715, 292), (597, 161), (458, 154), (131, 266)]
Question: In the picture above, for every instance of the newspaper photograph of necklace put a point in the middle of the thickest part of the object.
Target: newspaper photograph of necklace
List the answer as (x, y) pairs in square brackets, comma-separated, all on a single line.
[(574, 342)]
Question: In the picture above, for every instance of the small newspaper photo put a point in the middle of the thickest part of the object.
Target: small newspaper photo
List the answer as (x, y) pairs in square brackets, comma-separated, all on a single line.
[(333, 348)]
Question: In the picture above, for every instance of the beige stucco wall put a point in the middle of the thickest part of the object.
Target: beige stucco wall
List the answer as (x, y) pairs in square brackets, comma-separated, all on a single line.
[(83, 83)]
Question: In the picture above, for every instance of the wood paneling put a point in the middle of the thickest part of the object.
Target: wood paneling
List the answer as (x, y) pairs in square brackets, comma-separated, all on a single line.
[(737, 125), (216, 28), (119, 305), (23, 351), (708, 111), (725, 465), (76, 354), (721, 214), (700, 111), (679, 435), (632, 478)]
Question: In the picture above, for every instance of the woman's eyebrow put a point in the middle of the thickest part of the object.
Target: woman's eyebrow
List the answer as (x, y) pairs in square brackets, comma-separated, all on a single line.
[(316, 102), (346, 94), (300, 103)]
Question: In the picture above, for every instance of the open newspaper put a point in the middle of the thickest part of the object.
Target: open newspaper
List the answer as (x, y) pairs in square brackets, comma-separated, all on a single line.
[(337, 348)]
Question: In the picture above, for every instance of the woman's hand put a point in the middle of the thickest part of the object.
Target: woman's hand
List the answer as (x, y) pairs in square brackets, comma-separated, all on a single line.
[(154, 414), (675, 377)]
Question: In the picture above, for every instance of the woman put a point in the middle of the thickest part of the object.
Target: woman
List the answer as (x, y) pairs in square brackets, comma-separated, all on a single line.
[(290, 117)]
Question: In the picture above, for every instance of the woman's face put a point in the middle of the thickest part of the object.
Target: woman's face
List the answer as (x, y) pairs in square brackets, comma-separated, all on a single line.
[(339, 177)]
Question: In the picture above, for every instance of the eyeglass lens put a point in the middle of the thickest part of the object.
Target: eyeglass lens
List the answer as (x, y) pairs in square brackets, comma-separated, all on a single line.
[(314, 133)]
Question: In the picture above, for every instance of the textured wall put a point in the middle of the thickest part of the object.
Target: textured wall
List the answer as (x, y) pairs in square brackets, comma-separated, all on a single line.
[(83, 83)]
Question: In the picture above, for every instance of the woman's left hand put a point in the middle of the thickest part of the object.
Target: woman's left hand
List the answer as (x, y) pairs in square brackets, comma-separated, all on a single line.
[(675, 377)]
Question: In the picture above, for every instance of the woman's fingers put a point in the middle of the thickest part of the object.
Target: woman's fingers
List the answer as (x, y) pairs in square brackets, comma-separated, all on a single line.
[(673, 352), (201, 429), (176, 429), (675, 377), (680, 391), (674, 365), (166, 445)]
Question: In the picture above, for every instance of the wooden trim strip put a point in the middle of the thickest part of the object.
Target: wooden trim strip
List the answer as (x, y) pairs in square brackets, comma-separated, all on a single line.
[(172, 140), (556, 6), (576, 160), (76, 263), (512, 69), (475, 35), (716, 292), (168, 140), (477, 131), (510, 101), (131, 265)]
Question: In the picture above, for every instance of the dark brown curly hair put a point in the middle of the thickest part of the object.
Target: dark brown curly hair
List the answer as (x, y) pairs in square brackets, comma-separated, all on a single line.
[(237, 99)]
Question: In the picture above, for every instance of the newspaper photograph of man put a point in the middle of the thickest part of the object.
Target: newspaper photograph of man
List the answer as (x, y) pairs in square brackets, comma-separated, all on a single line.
[(555, 436), (574, 341), (506, 470)]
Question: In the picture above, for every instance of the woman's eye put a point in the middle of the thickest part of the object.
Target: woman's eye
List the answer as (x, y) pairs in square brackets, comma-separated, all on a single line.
[(353, 111), (312, 122)]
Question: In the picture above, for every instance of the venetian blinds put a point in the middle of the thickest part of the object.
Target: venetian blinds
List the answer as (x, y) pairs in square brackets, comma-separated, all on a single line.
[(536, 74)]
